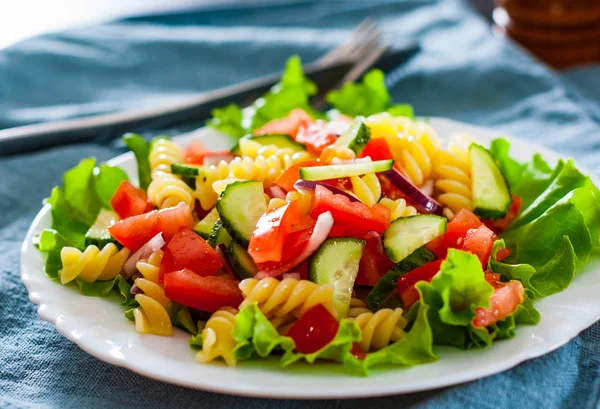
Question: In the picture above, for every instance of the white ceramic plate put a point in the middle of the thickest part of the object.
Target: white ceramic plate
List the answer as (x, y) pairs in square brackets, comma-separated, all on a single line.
[(97, 325)]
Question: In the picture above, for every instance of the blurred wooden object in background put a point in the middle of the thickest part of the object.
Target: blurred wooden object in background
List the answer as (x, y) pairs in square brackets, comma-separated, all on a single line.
[(561, 32)]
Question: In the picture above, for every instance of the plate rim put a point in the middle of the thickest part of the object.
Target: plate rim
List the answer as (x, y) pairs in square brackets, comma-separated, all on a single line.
[(50, 314)]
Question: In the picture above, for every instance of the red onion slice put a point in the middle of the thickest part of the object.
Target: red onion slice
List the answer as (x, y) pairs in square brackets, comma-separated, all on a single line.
[(319, 235), (422, 202), (277, 192), (136, 290), (145, 251), (311, 185)]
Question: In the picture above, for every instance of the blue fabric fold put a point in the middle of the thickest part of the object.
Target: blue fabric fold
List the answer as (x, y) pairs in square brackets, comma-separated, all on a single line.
[(462, 72)]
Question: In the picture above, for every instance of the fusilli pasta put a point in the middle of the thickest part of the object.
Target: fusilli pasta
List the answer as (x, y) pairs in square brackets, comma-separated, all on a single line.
[(92, 264), (164, 153), (332, 152), (217, 337), (378, 328), (453, 179), (151, 316), (286, 297), (367, 189), (398, 208)]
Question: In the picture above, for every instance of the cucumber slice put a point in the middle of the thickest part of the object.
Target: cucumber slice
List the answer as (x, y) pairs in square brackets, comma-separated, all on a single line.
[(386, 286), (281, 141), (407, 234), (186, 170), (218, 235), (205, 226), (337, 262), (356, 137), (98, 234), (240, 261), (491, 195), (345, 170), (240, 206)]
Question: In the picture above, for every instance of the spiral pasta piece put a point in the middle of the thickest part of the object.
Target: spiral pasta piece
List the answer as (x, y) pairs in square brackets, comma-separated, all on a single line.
[(378, 328), (151, 317), (339, 152), (413, 144), (92, 264), (367, 189), (163, 154), (398, 208), (286, 297), (453, 179), (217, 337)]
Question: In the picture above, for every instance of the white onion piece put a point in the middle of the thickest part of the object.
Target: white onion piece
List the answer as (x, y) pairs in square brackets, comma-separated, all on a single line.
[(277, 192), (294, 276), (319, 235), (145, 251)]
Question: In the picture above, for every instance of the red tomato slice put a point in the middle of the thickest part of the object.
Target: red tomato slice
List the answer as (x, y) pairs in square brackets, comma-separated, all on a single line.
[(406, 283), (288, 125), (195, 153), (129, 200), (188, 250), (133, 232), (202, 293), (502, 253), (492, 278), (498, 226), (359, 217), (266, 242), (287, 179), (295, 244), (504, 301), (357, 351), (172, 219), (167, 264), (315, 329), (377, 149), (457, 228), (374, 262), (315, 136), (479, 242)]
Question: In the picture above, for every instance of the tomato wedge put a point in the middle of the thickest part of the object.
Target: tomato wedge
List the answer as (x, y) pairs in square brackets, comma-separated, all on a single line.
[(194, 153), (315, 136), (266, 242), (457, 228), (377, 149), (133, 232), (406, 283), (129, 200), (188, 250), (374, 262), (202, 293), (292, 174), (498, 226), (503, 302), (478, 241), (357, 216), (288, 125), (315, 329)]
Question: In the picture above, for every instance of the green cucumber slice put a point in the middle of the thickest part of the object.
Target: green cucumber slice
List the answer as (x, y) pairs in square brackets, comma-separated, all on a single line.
[(240, 206), (337, 262), (407, 234), (345, 170), (281, 141), (240, 261), (98, 234), (491, 195), (356, 137), (186, 170), (218, 235), (205, 226), (386, 286)]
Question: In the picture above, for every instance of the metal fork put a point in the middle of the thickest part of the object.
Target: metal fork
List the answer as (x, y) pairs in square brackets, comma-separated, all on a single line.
[(362, 47)]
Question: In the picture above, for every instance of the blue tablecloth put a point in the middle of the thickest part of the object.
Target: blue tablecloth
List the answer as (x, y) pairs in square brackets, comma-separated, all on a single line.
[(462, 72)]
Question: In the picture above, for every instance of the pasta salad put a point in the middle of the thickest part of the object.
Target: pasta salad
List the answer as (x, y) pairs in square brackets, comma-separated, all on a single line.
[(353, 235)]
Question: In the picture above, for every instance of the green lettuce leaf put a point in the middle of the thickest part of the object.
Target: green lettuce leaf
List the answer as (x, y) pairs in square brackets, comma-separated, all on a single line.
[(337, 350), (368, 97), (402, 110), (453, 295), (65, 220), (256, 336), (415, 348), (107, 181), (51, 242), (554, 276), (104, 288), (511, 169), (141, 150), (196, 341), (228, 120), (80, 191)]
